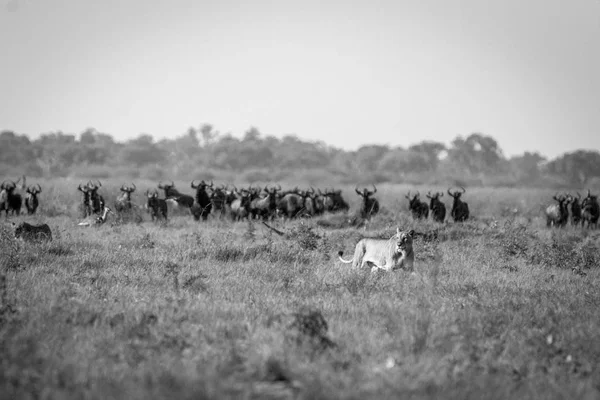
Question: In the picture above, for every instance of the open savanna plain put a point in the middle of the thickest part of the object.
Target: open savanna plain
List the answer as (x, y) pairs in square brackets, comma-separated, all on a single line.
[(498, 307)]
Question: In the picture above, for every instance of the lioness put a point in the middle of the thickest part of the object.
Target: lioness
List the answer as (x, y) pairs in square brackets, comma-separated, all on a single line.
[(394, 253), (32, 232)]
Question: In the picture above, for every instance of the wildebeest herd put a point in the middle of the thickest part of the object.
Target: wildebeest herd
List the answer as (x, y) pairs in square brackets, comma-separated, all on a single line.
[(582, 211), (271, 201)]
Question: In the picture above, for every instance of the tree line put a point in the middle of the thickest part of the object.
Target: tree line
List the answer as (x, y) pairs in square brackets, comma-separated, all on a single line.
[(206, 153)]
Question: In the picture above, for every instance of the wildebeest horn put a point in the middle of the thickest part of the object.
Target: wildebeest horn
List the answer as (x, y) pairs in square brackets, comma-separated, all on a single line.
[(450, 193), (133, 187), (357, 191), (463, 189), (374, 188), (578, 195), (428, 195), (278, 187), (408, 195), (160, 185), (78, 187), (192, 184), (123, 188), (99, 183)]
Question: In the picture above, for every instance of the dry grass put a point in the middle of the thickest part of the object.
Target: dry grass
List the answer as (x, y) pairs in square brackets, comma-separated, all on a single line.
[(500, 307)]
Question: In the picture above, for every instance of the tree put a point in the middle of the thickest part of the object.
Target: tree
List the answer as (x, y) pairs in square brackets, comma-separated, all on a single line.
[(577, 167), (431, 150), (476, 154)]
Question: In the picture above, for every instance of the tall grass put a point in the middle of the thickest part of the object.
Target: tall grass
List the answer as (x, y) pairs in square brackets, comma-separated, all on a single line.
[(500, 307)]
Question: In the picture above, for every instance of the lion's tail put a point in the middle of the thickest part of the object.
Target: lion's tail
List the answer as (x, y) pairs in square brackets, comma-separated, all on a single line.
[(340, 254)]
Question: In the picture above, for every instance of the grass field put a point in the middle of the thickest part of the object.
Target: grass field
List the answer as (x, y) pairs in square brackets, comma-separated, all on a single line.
[(499, 307)]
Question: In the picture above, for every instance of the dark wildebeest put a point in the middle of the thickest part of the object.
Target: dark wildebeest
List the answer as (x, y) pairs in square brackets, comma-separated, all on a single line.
[(419, 209), (31, 200), (290, 204), (9, 200), (202, 204), (369, 205), (96, 200), (308, 202), (219, 198), (265, 207), (590, 210), (334, 201), (575, 203), (156, 206), (460, 209), (86, 208), (171, 193), (123, 202), (557, 214), (438, 209), (240, 206)]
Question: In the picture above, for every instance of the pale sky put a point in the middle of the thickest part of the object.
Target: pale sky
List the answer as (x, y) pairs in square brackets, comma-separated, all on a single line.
[(396, 72)]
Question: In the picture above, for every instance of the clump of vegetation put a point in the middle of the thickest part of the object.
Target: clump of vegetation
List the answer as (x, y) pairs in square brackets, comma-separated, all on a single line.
[(305, 236), (9, 250)]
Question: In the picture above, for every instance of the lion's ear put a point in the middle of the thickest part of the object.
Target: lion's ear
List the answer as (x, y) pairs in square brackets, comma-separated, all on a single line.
[(411, 232)]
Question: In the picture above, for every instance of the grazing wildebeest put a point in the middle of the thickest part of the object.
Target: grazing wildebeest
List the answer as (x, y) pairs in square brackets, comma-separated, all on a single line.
[(460, 209), (334, 201), (9, 200), (123, 202), (96, 200), (575, 203), (157, 207), (171, 193), (557, 214), (438, 209), (202, 204), (240, 207), (86, 208), (31, 200), (265, 207), (590, 210), (369, 205)]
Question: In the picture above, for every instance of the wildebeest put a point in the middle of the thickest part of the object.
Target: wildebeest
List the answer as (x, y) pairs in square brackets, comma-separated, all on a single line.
[(86, 208), (31, 200), (418, 208), (369, 205), (438, 209), (240, 207), (202, 204), (9, 200), (182, 199), (219, 198), (575, 203), (308, 202), (290, 204), (265, 207), (156, 206), (334, 201), (96, 200), (460, 209), (123, 202), (557, 214), (590, 210)]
